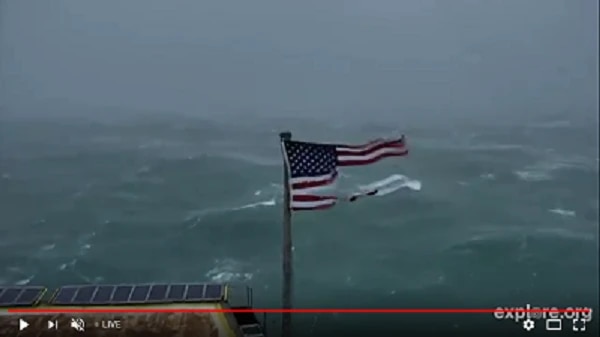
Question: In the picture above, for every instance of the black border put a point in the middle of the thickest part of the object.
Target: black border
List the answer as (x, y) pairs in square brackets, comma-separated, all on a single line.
[(376, 325)]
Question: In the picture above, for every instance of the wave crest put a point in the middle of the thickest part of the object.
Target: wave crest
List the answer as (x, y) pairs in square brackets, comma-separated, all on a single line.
[(562, 212), (270, 202)]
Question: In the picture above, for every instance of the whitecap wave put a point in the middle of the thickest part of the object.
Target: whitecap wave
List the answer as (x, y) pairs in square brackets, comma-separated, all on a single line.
[(562, 212), (488, 176), (533, 175), (23, 277), (24, 281), (544, 170), (49, 246), (249, 158), (196, 216), (270, 202), (566, 234), (229, 270), (69, 265), (391, 184), (84, 243)]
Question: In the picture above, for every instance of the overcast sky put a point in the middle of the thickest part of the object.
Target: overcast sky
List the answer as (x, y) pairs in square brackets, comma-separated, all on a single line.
[(423, 58)]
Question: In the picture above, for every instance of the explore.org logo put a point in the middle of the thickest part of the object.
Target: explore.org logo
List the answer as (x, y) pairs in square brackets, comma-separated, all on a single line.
[(553, 316)]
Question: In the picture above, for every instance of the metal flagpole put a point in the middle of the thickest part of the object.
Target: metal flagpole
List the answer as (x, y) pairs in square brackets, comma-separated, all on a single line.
[(286, 323)]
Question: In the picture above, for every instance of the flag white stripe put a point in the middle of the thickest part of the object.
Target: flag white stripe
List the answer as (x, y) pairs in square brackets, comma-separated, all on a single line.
[(324, 177), (362, 148), (317, 190), (372, 155), (312, 204)]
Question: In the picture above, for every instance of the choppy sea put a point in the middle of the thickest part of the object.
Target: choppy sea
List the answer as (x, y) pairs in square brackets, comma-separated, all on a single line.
[(475, 216)]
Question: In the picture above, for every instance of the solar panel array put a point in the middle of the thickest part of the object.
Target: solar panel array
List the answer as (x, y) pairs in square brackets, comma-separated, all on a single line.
[(138, 294), (15, 296), (20, 296)]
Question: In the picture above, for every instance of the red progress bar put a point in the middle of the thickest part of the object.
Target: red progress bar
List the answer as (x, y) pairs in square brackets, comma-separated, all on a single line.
[(293, 311)]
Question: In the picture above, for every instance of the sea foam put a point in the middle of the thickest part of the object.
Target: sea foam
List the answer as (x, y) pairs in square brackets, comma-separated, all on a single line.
[(270, 202), (563, 212)]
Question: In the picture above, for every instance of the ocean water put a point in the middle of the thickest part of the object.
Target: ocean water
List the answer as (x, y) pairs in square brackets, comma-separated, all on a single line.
[(475, 216)]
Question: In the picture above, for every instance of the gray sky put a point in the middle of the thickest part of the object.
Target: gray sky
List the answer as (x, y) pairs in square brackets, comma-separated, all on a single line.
[(419, 58)]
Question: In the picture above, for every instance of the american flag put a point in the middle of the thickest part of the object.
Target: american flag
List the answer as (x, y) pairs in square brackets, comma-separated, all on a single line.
[(313, 166)]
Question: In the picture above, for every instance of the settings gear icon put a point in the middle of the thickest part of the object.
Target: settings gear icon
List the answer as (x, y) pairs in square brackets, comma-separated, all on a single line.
[(528, 324)]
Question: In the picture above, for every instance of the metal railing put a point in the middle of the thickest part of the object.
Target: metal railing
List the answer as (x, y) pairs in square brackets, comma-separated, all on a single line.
[(242, 296)]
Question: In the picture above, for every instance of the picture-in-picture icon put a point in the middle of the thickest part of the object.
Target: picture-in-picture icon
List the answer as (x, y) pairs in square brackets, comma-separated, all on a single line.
[(553, 324)]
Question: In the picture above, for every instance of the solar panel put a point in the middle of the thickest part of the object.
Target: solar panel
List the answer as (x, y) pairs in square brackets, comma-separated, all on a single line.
[(176, 292), (64, 295), (84, 295), (10, 295), (139, 294), (131, 294), (20, 296), (214, 292), (195, 292), (158, 293), (102, 295), (29, 296), (121, 294)]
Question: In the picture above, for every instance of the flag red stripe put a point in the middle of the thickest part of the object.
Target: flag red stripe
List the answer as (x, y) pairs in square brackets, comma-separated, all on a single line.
[(371, 160), (312, 202), (390, 144), (371, 143), (310, 197), (313, 183)]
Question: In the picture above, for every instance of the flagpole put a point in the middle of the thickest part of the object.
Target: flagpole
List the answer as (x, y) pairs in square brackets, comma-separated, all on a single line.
[(286, 323)]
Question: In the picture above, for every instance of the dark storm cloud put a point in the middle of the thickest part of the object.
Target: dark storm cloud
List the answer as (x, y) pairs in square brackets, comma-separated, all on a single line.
[(418, 59)]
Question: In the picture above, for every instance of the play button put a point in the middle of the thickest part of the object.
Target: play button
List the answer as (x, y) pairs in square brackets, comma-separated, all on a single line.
[(22, 325)]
